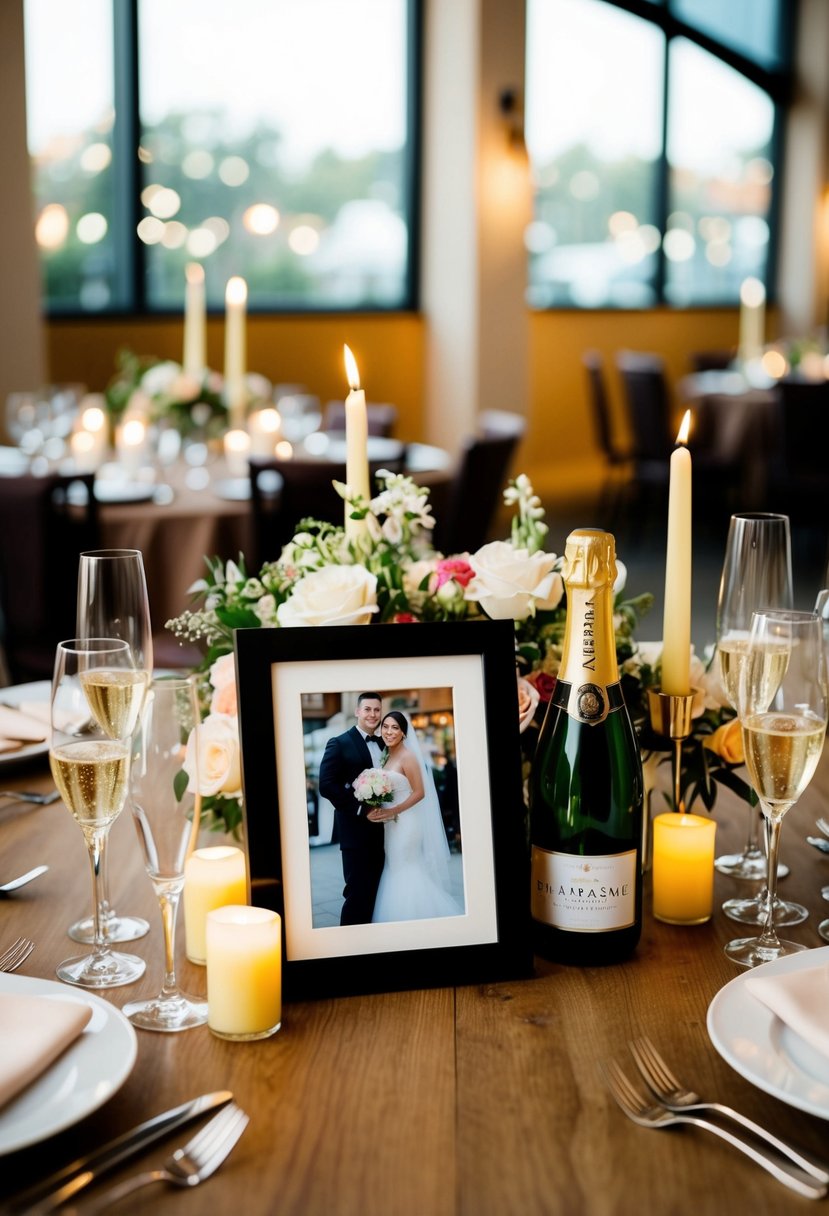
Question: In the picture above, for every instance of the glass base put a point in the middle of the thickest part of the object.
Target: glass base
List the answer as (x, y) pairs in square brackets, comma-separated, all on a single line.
[(747, 951), (116, 929), (107, 970), (753, 911), (750, 866), (167, 1014), (245, 1038), (823, 930), (824, 892)]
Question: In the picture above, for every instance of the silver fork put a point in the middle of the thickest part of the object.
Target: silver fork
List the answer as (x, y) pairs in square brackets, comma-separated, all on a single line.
[(671, 1093), (16, 954), (29, 796), (823, 824), (190, 1165), (646, 1113)]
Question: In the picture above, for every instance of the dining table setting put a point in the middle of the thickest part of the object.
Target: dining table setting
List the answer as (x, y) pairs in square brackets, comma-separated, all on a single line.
[(491, 1097)]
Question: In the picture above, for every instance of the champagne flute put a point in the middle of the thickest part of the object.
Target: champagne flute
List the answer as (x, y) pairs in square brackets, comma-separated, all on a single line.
[(112, 602), (782, 703), (757, 573), (166, 814), (97, 694)]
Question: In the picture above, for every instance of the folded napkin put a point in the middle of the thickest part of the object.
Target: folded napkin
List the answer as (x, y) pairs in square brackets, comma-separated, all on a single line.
[(34, 1030), (800, 999), (14, 724), (9, 745)]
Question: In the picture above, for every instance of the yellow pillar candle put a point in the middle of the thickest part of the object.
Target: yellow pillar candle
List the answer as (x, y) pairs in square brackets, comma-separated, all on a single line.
[(194, 359), (236, 297), (244, 972), (676, 625), (264, 427), (237, 449), (213, 877), (356, 445), (683, 868)]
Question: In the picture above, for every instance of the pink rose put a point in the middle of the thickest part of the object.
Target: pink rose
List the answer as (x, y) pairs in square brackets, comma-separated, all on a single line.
[(456, 569), (404, 618), (543, 683)]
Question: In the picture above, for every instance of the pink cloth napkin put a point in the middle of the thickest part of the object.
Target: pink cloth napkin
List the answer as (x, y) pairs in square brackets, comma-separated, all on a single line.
[(800, 999), (17, 725), (34, 1030)]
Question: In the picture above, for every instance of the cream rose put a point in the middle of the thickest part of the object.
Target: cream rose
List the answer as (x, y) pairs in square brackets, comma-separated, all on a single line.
[(223, 679), (512, 583), (527, 703), (334, 595), (219, 767)]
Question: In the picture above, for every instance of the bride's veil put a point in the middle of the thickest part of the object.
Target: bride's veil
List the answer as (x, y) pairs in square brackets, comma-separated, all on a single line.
[(435, 844)]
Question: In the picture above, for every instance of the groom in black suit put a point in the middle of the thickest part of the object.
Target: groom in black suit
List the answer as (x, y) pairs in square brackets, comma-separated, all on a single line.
[(361, 841)]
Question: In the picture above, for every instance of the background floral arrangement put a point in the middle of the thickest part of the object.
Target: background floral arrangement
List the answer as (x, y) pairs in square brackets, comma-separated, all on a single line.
[(391, 574), (161, 390)]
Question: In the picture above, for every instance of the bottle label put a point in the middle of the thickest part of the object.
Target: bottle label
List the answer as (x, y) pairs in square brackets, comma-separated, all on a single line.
[(588, 703), (584, 894)]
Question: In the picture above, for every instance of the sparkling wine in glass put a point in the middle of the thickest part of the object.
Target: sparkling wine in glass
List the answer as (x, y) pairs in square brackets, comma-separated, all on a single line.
[(166, 813), (782, 704), (97, 695), (112, 602), (757, 574)]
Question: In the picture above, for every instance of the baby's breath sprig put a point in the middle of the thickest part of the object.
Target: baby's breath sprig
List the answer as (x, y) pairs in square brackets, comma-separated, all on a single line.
[(528, 527)]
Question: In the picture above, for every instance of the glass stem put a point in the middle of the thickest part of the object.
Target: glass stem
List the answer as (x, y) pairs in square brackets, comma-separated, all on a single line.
[(168, 902), (103, 893), (96, 844), (752, 848), (768, 938)]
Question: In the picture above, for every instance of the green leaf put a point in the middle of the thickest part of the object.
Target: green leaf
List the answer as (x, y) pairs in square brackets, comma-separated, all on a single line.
[(180, 784)]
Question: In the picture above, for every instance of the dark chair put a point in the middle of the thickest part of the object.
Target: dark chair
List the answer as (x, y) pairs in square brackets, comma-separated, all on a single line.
[(616, 458), (480, 479), (382, 419), (712, 360), (45, 523), (798, 474)]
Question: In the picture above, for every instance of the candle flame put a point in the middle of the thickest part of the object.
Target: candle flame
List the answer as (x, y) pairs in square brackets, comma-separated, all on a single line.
[(682, 434), (194, 272), (351, 369), (133, 432), (93, 419), (236, 291)]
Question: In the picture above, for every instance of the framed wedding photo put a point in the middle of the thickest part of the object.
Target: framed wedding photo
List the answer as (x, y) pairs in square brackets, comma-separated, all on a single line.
[(383, 803)]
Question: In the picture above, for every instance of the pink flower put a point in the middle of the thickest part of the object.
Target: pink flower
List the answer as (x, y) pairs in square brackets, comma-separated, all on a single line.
[(404, 618), (455, 568), (543, 683)]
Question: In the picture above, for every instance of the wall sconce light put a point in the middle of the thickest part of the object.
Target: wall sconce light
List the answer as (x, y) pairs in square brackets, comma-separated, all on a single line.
[(511, 109)]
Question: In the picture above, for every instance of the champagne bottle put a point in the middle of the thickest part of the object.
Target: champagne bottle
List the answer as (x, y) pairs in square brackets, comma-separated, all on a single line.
[(586, 800)]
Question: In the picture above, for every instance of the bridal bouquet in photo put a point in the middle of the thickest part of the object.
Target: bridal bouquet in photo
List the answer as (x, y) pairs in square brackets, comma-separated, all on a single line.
[(373, 787), (391, 574)]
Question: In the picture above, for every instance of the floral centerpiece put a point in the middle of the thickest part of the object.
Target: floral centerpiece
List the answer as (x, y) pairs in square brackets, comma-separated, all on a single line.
[(162, 391), (391, 574)]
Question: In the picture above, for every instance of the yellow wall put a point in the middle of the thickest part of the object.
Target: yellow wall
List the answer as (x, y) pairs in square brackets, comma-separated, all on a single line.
[(560, 452)]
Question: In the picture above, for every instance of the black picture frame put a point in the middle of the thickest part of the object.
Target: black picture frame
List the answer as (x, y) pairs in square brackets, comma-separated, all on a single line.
[(491, 940)]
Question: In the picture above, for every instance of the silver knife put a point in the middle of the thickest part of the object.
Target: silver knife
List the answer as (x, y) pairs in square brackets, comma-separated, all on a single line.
[(49, 1194)]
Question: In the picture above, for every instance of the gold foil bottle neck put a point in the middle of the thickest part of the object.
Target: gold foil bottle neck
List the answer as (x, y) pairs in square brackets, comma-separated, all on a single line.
[(589, 559)]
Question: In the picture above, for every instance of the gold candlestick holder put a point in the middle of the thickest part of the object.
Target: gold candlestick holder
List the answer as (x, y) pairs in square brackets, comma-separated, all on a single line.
[(671, 718)]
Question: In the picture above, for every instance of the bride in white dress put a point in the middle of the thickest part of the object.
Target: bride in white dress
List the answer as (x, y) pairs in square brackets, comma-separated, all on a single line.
[(415, 883)]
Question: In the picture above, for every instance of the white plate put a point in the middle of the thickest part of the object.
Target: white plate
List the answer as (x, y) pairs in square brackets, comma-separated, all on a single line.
[(763, 1049), (38, 690), (82, 1079), (124, 491)]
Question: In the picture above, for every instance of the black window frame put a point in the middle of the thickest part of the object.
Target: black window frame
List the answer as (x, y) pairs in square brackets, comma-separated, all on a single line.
[(131, 252), (778, 84)]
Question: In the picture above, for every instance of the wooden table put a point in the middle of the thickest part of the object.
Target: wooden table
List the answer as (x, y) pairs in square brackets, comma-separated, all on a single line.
[(479, 1101)]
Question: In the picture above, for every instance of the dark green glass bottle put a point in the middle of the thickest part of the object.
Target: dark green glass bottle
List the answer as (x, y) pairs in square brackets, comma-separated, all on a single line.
[(586, 801)]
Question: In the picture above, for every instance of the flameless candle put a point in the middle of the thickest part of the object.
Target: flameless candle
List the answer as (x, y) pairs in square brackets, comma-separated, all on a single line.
[(129, 444), (263, 427), (213, 877), (236, 296), (752, 320), (676, 625), (194, 359), (244, 972), (93, 420), (683, 868), (237, 448), (82, 447), (356, 445)]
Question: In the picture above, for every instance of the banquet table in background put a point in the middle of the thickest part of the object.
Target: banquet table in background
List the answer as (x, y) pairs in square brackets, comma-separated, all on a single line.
[(473, 1101)]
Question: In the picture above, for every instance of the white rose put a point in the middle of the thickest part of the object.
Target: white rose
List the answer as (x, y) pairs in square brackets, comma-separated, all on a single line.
[(160, 378), (223, 671), (334, 595), (512, 583), (414, 574), (219, 768), (621, 577)]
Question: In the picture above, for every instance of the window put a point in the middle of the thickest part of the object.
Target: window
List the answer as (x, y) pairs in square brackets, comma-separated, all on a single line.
[(653, 149), (274, 140)]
